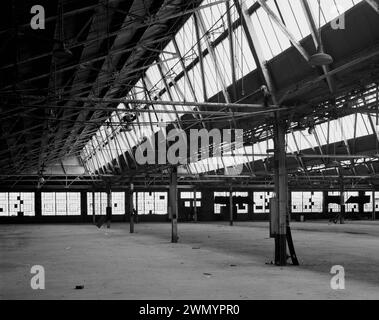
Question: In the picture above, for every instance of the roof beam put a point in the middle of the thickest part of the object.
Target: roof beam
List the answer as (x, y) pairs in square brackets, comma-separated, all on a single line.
[(373, 4)]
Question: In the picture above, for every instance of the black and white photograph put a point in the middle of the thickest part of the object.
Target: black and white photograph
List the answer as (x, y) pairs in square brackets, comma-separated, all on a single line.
[(189, 156)]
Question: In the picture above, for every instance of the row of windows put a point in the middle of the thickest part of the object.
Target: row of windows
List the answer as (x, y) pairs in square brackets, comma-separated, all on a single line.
[(223, 197), (353, 207), (145, 203), (301, 202), (100, 205), (189, 199), (16, 204), (148, 203), (60, 203)]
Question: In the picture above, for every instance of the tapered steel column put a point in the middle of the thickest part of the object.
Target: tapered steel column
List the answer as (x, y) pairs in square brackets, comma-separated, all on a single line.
[(281, 187), (231, 218), (280, 178), (174, 204), (342, 198), (195, 206), (109, 207), (131, 208), (93, 208), (373, 206), (38, 204)]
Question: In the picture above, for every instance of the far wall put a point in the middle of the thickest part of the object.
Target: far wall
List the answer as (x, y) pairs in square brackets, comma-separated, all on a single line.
[(153, 205)]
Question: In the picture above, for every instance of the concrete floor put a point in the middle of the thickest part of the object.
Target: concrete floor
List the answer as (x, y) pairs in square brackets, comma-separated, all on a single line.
[(212, 261)]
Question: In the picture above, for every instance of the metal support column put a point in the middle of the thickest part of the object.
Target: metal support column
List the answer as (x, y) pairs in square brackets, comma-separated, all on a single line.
[(373, 206), (93, 208), (281, 213), (231, 218), (83, 205), (361, 205), (38, 204), (281, 187), (109, 207), (174, 204), (136, 210), (131, 208), (325, 203), (195, 206), (343, 206)]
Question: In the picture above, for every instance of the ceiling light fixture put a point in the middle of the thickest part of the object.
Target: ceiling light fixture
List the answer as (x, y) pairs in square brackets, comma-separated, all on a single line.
[(60, 50), (320, 59)]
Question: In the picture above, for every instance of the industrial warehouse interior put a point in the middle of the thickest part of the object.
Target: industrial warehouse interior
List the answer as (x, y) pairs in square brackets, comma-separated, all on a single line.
[(189, 150)]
